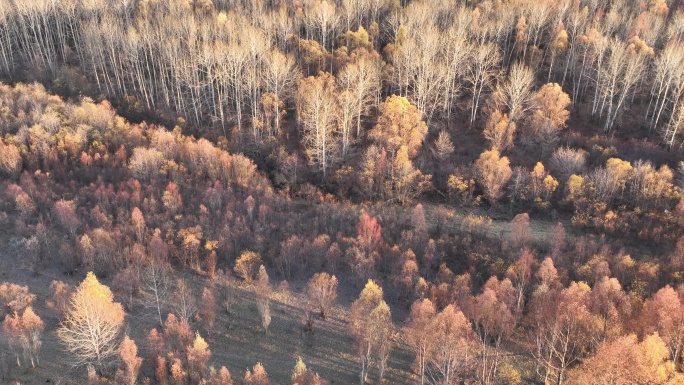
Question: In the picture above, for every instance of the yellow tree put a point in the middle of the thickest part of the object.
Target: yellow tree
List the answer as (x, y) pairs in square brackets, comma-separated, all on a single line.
[(371, 326), (399, 124), (198, 356), (493, 172), (247, 265), (406, 182), (92, 324), (499, 131)]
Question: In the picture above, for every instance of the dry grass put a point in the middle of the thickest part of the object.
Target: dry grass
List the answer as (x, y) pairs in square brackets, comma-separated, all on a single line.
[(237, 340)]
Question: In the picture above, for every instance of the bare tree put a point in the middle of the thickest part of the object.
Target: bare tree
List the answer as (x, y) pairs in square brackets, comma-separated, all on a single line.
[(566, 161), (516, 90), (625, 66), (323, 18), (359, 82), (481, 71), (280, 76), (316, 113), (184, 302), (155, 287), (443, 147), (668, 83)]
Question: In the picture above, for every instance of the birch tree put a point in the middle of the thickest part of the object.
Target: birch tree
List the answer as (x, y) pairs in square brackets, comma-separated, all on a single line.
[(317, 116), (91, 327), (481, 71)]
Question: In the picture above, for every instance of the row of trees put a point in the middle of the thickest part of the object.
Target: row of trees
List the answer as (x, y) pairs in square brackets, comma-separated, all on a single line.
[(245, 65), (463, 340)]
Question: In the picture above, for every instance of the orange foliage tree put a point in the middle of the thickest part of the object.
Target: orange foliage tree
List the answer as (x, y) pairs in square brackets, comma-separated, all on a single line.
[(128, 352)]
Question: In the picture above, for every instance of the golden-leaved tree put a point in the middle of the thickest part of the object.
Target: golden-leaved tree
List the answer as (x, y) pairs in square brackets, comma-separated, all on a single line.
[(399, 124), (493, 172), (92, 324), (371, 326)]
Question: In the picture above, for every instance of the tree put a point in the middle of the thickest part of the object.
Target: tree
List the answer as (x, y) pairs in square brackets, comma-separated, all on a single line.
[(421, 335), (367, 244), (371, 326), (520, 232), (281, 74), (138, 221), (625, 67), (399, 124), (673, 133), (263, 297), (455, 346), (499, 131), (481, 71), (322, 291), (493, 172), (61, 295), (207, 311), (492, 318), (324, 20), (14, 298), (178, 374), (155, 287), (247, 265), (316, 114), (520, 273), (91, 327), (664, 314), (257, 376), (612, 304), (10, 159), (301, 375), (146, 163), (550, 115), (184, 302), (128, 352), (516, 90), (221, 377), (443, 147), (406, 183), (360, 79), (421, 65), (564, 328), (24, 333), (65, 211), (198, 357), (627, 361)]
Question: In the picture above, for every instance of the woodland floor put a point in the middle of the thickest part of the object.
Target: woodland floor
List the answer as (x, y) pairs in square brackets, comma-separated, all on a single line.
[(237, 340)]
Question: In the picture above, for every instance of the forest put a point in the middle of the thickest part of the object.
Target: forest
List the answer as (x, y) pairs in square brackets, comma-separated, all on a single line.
[(315, 192)]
